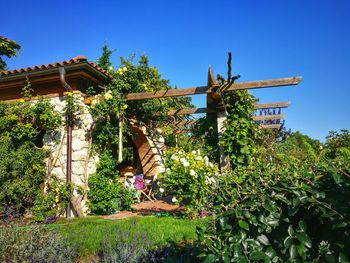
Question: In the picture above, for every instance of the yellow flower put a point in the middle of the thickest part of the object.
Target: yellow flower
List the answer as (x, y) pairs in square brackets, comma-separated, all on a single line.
[(57, 189), (125, 106), (69, 93), (108, 95), (57, 200)]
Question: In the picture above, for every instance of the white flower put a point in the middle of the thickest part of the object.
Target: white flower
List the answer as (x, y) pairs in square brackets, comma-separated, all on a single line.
[(207, 180), (174, 157), (198, 158), (194, 152), (198, 152), (174, 200), (161, 190), (211, 165), (192, 172), (132, 180), (127, 184), (124, 68), (180, 152), (184, 162), (167, 170)]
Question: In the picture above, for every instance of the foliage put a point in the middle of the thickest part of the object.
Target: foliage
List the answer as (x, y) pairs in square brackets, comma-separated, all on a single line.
[(34, 244), (242, 132), (337, 144), (205, 137), (142, 77), (300, 147), (105, 60), (22, 171), (106, 110), (54, 200), (23, 121), (190, 178), (8, 48), (72, 109), (279, 211), (106, 194), (22, 163)]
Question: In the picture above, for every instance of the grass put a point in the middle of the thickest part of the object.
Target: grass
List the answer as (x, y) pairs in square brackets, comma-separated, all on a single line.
[(89, 233)]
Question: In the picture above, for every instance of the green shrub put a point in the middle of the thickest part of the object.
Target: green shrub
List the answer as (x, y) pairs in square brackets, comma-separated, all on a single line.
[(22, 162), (22, 172), (190, 178), (34, 244), (106, 194), (276, 212), (54, 200)]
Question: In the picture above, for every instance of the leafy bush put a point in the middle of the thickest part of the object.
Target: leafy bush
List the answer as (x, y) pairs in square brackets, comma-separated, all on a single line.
[(106, 194), (300, 147), (22, 163), (22, 171), (34, 244), (190, 178), (54, 200), (276, 212)]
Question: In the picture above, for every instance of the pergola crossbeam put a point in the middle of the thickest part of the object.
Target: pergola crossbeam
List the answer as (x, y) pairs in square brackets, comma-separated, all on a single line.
[(270, 126), (269, 117), (190, 111), (205, 89)]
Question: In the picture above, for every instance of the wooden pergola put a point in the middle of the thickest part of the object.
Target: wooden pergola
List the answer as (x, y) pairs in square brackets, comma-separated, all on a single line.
[(215, 106)]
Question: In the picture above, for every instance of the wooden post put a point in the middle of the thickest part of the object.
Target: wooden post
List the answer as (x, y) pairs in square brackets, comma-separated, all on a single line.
[(215, 111)]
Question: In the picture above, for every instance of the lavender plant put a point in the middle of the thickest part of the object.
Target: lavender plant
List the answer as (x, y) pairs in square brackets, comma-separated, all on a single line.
[(127, 245)]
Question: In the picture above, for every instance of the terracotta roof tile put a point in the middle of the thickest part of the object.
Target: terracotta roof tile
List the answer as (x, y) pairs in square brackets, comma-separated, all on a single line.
[(75, 60)]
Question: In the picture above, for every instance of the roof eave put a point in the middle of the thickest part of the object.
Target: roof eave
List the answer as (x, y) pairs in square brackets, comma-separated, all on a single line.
[(85, 65)]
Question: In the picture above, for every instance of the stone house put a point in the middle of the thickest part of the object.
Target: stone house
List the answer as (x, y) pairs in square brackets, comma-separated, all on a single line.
[(80, 74)]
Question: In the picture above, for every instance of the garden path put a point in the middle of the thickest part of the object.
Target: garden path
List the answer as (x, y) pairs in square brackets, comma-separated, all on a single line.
[(148, 208)]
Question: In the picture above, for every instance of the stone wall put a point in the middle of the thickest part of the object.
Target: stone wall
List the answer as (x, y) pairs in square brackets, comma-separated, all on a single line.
[(150, 150), (83, 164)]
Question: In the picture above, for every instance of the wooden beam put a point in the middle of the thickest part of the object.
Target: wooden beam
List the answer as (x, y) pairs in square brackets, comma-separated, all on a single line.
[(167, 93), (272, 105), (270, 126), (185, 123), (189, 111), (263, 84), (204, 89), (269, 117), (205, 110)]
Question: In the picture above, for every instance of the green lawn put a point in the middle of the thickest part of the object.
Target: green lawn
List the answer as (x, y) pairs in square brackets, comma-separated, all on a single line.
[(89, 233)]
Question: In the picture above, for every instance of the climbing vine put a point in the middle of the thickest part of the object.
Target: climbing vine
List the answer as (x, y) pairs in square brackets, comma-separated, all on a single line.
[(242, 132)]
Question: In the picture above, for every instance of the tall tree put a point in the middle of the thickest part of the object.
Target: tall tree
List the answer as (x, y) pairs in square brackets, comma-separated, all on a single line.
[(105, 60), (8, 48)]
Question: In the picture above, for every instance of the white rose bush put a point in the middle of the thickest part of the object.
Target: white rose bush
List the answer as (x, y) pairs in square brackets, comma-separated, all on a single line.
[(190, 178)]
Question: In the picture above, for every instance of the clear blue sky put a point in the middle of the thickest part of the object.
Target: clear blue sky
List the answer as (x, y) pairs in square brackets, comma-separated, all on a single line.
[(268, 39)]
